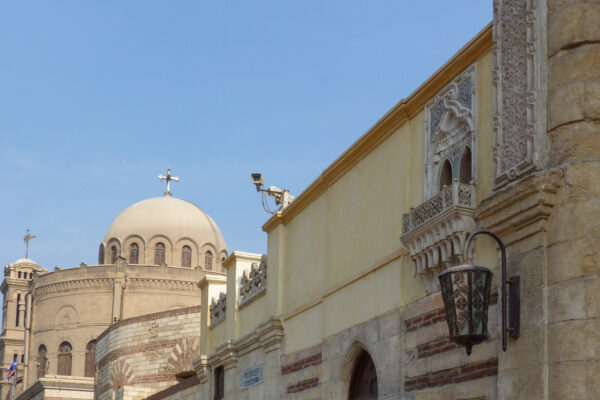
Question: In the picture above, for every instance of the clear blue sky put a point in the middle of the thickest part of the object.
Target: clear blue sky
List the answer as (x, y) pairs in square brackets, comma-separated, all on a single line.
[(97, 98)]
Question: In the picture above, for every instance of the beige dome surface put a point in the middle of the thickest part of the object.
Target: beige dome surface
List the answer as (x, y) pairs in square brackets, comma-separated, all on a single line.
[(166, 216)]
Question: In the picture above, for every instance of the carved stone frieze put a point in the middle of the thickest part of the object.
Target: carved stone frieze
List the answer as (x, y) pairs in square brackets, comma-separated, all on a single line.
[(253, 282), (60, 287), (519, 83), (218, 309), (435, 231), (77, 284), (451, 127), (182, 355)]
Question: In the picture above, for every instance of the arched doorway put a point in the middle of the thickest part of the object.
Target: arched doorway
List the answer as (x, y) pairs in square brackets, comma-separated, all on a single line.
[(363, 385)]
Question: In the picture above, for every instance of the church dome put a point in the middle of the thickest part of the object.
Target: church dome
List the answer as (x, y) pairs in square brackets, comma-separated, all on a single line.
[(187, 236)]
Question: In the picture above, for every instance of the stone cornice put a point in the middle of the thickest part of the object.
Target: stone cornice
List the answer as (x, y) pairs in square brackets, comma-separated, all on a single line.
[(63, 383), (389, 123), (267, 334), (520, 209)]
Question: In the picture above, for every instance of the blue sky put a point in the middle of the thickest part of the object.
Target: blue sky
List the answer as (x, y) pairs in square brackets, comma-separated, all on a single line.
[(97, 98)]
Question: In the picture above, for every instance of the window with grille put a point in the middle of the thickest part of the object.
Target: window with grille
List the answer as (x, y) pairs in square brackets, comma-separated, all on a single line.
[(65, 351), (159, 253), (90, 359), (134, 253), (186, 257), (208, 261)]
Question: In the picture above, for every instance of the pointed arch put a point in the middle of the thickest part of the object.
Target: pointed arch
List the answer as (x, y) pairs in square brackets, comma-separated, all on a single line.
[(359, 366), (363, 384), (445, 174)]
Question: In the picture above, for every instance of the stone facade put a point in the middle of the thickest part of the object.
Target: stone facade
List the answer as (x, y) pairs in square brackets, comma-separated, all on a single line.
[(140, 356), (352, 268)]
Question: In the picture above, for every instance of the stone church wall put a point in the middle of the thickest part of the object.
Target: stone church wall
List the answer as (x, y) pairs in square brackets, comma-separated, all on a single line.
[(140, 356)]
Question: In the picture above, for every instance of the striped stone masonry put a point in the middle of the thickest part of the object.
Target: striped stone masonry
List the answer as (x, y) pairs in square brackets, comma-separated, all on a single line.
[(300, 371), (303, 385), (439, 367), (142, 356)]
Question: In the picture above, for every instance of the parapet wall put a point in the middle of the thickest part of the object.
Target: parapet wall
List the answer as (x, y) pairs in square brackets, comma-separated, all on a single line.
[(141, 356)]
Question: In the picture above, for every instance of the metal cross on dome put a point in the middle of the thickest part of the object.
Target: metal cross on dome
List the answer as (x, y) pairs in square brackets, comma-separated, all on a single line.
[(26, 239), (168, 178)]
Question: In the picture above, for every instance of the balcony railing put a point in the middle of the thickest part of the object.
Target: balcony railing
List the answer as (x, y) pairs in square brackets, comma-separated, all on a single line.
[(456, 194)]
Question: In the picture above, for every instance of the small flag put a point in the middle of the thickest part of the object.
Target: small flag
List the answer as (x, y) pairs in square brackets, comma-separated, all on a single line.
[(11, 370)]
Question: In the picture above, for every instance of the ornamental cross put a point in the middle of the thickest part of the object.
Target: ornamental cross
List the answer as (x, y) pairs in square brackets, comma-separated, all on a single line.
[(26, 239), (168, 178)]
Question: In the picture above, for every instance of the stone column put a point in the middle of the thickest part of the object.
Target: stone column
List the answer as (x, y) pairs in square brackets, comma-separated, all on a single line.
[(573, 242)]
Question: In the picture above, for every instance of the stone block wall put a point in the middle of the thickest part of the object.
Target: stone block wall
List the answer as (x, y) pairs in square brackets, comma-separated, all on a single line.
[(184, 390), (439, 369), (138, 357), (300, 373)]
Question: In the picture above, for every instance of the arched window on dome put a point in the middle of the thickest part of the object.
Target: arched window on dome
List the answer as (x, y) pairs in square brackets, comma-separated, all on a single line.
[(134, 254), (186, 257), (159, 253), (208, 261), (90, 359), (64, 359), (113, 254), (42, 361), (101, 254)]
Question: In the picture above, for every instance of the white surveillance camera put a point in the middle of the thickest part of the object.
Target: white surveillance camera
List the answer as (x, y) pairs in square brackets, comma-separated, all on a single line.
[(258, 179)]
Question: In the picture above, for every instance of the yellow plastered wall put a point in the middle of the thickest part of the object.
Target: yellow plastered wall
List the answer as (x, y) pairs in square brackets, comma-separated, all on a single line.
[(356, 222)]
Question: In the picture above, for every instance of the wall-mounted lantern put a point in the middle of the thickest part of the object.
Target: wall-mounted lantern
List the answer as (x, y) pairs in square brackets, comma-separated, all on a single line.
[(466, 292)]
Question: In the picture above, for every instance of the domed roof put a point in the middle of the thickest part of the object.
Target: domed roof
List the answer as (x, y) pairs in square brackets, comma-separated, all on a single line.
[(24, 261), (166, 216)]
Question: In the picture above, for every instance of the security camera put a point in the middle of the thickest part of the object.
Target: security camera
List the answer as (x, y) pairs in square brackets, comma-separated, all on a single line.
[(258, 180)]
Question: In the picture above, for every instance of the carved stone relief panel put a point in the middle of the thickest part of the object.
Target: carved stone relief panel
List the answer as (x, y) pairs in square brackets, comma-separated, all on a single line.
[(451, 127), (218, 309), (519, 83), (253, 282)]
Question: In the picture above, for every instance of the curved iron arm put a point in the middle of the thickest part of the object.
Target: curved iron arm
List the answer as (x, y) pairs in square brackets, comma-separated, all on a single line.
[(504, 281)]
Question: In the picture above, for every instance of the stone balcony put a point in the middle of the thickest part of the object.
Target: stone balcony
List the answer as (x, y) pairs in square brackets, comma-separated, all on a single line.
[(436, 230)]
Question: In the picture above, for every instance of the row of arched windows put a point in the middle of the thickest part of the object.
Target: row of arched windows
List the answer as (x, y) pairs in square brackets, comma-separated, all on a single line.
[(65, 359), (159, 255)]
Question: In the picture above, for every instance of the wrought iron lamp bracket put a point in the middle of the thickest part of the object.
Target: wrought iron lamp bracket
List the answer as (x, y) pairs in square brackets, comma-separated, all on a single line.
[(513, 300)]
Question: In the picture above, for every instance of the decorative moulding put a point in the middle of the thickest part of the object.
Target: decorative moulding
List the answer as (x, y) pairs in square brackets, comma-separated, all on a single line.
[(253, 282), (519, 85), (451, 127), (267, 335), (435, 231)]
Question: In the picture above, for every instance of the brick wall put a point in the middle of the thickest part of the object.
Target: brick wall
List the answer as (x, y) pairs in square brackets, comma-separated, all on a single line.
[(138, 357)]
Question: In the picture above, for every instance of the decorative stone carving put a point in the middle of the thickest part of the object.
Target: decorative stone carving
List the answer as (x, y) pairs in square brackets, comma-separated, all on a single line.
[(218, 309), (435, 232), (253, 283), (519, 87), (182, 356), (121, 374), (451, 127)]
